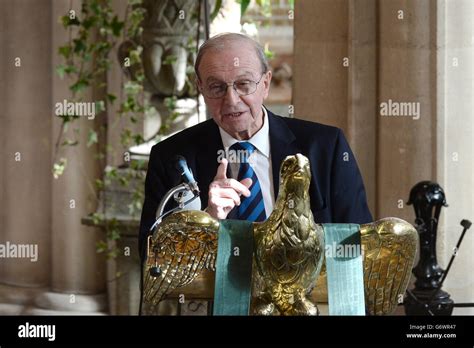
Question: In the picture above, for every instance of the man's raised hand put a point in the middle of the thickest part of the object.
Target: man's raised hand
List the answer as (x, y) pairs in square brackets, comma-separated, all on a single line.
[(224, 193)]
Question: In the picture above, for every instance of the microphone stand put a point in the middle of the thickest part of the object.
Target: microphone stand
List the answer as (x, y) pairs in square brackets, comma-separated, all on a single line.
[(177, 193)]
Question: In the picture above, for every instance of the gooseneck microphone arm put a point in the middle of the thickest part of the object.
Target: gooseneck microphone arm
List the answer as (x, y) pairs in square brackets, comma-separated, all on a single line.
[(183, 187), (188, 185)]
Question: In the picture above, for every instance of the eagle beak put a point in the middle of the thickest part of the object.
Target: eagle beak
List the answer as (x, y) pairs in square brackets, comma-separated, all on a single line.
[(301, 160)]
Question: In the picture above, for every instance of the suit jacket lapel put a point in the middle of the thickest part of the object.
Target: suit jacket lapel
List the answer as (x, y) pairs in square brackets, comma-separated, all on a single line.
[(206, 159), (282, 144)]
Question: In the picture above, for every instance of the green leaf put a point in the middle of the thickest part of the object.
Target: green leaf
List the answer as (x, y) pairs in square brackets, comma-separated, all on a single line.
[(71, 69), (216, 10), (99, 184), (170, 59), (79, 45), (67, 21), (170, 102), (99, 156), (138, 139), (97, 218), (61, 70), (269, 53), (125, 137), (79, 85), (116, 26), (140, 77), (89, 22), (99, 106), (92, 138), (58, 168), (101, 246), (68, 142), (138, 164), (132, 88), (111, 172), (123, 181), (112, 254), (113, 234), (135, 56), (244, 4), (65, 51), (111, 97), (95, 7)]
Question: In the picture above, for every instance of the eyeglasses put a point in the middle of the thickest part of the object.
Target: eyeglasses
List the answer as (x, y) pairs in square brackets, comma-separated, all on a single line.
[(219, 89)]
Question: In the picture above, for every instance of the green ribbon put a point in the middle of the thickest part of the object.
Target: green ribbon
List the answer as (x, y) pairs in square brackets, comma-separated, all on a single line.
[(344, 266), (345, 273), (233, 268)]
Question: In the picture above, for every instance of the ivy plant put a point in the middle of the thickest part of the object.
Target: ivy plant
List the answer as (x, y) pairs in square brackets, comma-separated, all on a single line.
[(93, 35)]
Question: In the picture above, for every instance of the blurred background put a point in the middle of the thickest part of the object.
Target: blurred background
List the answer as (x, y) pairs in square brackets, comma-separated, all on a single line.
[(89, 86)]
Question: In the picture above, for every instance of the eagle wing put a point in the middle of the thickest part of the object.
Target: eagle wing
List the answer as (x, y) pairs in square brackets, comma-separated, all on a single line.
[(182, 245), (389, 246)]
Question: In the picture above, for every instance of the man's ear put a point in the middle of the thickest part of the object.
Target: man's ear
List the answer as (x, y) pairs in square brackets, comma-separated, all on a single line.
[(267, 79), (198, 83)]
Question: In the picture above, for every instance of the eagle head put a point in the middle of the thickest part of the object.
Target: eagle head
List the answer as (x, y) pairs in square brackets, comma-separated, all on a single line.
[(295, 175)]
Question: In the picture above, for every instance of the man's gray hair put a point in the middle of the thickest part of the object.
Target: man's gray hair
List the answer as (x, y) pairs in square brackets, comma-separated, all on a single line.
[(219, 42)]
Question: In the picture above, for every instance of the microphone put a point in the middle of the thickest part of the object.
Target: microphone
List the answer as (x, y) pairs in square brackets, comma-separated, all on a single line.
[(183, 169)]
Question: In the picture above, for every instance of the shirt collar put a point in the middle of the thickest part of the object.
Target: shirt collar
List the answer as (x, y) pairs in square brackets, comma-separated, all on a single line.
[(260, 139)]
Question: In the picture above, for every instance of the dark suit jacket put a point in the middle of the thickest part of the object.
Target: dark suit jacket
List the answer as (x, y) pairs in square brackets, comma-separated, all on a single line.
[(337, 192)]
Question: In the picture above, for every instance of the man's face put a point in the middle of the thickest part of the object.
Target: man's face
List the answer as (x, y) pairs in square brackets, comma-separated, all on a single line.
[(240, 116)]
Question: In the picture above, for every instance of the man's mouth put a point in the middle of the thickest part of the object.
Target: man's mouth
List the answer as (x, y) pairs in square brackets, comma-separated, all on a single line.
[(234, 114)]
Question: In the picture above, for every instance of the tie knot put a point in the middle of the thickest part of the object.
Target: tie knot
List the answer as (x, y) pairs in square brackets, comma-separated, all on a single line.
[(244, 150)]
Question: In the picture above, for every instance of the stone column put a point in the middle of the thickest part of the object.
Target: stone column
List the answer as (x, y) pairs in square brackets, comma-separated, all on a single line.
[(362, 92), (77, 271), (455, 143), (406, 144), (335, 74), (320, 79), (25, 142), (352, 56)]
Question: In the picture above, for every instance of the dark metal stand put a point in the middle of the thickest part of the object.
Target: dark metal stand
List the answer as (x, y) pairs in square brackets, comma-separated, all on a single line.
[(427, 298)]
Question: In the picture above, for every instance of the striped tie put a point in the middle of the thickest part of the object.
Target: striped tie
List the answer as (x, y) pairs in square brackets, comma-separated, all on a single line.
[(251, 208)]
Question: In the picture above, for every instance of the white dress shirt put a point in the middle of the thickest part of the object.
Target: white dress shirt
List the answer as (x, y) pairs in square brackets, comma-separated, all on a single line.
[(260, 160)]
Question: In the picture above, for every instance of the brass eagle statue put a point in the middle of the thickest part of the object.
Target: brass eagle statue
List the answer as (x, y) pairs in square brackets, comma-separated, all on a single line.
[(288, 253)]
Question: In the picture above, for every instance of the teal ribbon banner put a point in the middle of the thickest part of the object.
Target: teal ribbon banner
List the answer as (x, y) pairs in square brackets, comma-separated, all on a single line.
[(233, 268), (344, 266), (345, 273)]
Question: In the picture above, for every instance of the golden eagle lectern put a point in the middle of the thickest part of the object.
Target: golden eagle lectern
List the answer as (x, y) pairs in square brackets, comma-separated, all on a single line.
[(288, 253)]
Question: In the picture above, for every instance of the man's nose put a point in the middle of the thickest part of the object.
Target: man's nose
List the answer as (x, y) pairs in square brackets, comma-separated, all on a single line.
[(231, 96)]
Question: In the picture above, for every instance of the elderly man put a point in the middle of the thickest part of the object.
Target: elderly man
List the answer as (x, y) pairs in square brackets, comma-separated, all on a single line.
[(234, 77)]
